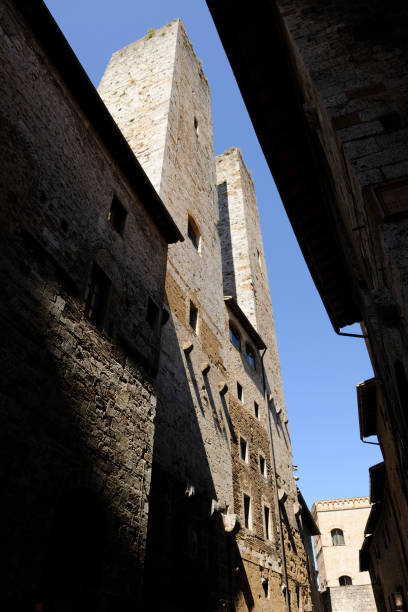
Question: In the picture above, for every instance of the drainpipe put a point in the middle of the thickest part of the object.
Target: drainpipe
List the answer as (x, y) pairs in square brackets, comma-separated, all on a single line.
[(275, 481)]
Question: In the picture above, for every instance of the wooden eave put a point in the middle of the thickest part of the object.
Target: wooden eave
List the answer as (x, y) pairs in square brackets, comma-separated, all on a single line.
[(257, 47), (59, 53), (367, 407), (377, 482)]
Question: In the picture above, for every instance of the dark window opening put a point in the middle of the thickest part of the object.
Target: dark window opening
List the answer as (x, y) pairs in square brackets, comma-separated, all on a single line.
[(165, 316), (250, 356), (196, 125), (243, 449), (234, 336), (265, 586), (97, 296), (337, 537), (262, 465), (266, 518), (152, 314), (298, 596), (193, 317), (256, 409), (193, 233), (117, 215), (247, 511), (345, 581), (240, 392)]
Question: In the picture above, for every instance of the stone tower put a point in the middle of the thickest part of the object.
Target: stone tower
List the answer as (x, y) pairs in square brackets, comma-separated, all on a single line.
[(265, 493), (246, 279), (157, 93), (341, 524)]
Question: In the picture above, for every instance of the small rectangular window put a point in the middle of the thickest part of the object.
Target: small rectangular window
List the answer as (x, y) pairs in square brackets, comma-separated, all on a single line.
[(266, 520), (256, 410), (243, 449), (247, 511), (117, 215), (262, 465), (240, 392), (193, 317), (97, 296), (152, 314)]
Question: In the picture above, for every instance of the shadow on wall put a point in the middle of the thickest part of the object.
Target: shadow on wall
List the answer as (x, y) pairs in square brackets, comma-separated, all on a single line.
[(68, 540), (189, 561), (224, 230)]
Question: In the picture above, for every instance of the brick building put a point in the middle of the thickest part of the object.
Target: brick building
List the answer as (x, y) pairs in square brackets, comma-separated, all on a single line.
[(145, 432), (328, 99)]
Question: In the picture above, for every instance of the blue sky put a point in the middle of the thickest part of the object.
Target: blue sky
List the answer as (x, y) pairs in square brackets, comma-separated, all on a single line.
[(320, 369)]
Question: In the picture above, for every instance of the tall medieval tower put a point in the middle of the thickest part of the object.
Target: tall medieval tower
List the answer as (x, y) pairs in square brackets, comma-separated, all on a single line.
[(202, 492)]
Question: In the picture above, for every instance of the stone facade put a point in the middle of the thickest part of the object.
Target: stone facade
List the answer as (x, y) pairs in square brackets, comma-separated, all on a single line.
[(328, 100), (79, 351), (198, 518), (341, 524)]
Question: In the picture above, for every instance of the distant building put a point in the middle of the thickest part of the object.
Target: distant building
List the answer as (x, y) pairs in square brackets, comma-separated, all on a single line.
[(341, 524)]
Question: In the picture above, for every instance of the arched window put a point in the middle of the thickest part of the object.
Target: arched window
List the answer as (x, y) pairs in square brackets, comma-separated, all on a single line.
[(193, 233), (337, 537), (345, 581), (234, 336), (250, 356)]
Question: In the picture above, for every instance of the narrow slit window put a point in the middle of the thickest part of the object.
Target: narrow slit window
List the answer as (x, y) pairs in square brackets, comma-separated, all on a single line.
[(97, 296), (250, 356), (262, 465), (247, 512), (256, 410), (196, 126), (234, 336), (240, 392), (117, 215), (193, 233), (193, 317), (265, 586), (266, 519), (152, 314), (243, 450)]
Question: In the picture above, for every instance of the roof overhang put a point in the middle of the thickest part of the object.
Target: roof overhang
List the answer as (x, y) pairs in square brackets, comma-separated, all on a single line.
[(377, 482), (233, 307), (60, 54), (307, 517), (367, 407), (258, 49), (365, 554)]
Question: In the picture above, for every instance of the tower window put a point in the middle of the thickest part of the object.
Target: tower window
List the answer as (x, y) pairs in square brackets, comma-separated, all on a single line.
[(266, 520), (250, 356), (262, 465), (97, 296), (240, 392), (256, 410), (337, 537), (247, 512), (117, 215), (193, 317), (345, 581), (152, 314), (193, 233), (243, 450), (196, 126), (265, 586), (234, 336)]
